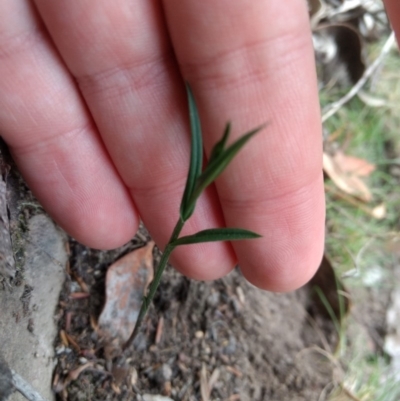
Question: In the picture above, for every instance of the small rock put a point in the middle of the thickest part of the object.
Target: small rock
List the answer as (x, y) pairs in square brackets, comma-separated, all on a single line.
[(230, 349), (392, 339), (153, 397), (6, 380), (44, 275), (199, 334), (134, 377), (163, 374), (214, 299)]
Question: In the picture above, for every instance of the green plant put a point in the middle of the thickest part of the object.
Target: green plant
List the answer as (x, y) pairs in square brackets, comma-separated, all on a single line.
[(197, 181)]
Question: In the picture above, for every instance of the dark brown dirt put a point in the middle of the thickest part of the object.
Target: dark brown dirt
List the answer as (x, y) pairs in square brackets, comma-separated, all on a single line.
[(224, 340), (243, 343)]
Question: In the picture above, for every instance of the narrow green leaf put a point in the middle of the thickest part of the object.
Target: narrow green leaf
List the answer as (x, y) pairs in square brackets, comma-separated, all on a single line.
[(196, 156), (220, 145), (216, 234), (218, 165)]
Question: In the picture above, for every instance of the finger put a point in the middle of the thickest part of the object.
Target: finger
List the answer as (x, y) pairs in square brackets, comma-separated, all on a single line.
[(120, 56), (251, 63), (393, 10), (53, 140)]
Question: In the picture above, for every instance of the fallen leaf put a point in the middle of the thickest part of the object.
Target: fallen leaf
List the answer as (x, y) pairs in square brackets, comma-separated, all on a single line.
[(79, 295), (63, 337), (354, 165), (126, 283), (371, 100), (348, 182), (74, 374), (213, 379), (73, 342), (204, 384), (159, 331), (115, 388), (233, 370), (134, 376)]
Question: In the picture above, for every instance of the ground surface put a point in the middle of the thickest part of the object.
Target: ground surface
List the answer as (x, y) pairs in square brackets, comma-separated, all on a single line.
[(251, 345), (224, 340)]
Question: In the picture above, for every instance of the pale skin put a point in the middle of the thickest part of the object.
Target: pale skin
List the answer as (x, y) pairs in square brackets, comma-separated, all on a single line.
[(93, 107)]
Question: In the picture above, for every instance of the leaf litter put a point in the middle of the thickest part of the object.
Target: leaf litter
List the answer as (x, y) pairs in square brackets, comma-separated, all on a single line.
[(225, 340), (126, 283), (347, 172)]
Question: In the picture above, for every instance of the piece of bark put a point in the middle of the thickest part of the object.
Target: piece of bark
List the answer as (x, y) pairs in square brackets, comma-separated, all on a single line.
[(7, 263)]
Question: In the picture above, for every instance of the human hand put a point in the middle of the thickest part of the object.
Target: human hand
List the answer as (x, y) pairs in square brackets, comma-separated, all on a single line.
[(93, 107)]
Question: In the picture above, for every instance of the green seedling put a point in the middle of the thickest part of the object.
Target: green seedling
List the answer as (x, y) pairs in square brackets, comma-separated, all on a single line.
[(197, 181)]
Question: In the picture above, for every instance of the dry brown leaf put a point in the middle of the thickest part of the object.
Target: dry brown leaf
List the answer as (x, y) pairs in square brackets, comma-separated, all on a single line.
[(378, 212), (159, 331), (234, 371), (204, 386), (72, 342), (355, 165), (63, 337), (213, 379), (126, 283), (348, 182), (74, 374)]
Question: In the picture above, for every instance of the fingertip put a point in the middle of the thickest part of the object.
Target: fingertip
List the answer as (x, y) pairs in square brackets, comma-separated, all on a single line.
[(101, 228), (80, 189), (291, 249), (205, 262), (287, 273)]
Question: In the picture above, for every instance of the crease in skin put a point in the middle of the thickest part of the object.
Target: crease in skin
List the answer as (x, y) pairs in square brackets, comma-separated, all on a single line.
[(27, 41), (125, 70), (70, 135), (241, 60), (229, 70), (150, 190), (277, 206), (62, 176), (21, 42)]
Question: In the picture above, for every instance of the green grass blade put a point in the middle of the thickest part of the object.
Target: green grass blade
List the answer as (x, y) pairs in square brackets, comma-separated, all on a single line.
[(196, 156), (216, 234), (218, 165), (220, 146)]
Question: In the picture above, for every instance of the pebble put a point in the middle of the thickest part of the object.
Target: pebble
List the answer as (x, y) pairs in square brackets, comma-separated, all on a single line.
[(163, 374), (153, 397), (199, 334)]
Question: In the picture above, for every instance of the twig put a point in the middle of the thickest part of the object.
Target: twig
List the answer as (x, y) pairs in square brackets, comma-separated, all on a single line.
[(335, 106), (349, 393), (25, 388)]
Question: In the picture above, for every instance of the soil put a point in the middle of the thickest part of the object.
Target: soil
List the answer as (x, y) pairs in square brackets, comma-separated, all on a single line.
[(224, 340)]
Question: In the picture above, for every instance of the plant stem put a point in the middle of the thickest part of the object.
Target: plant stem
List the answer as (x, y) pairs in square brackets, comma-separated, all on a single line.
[(155, 283)]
